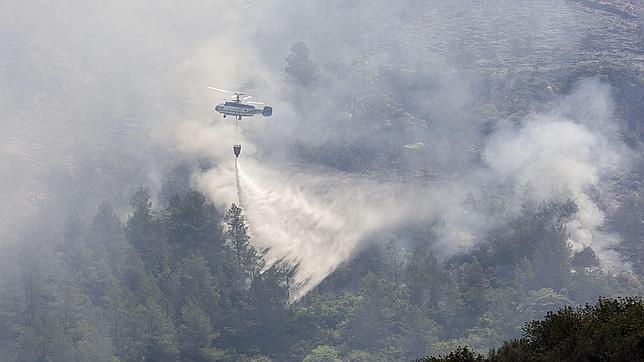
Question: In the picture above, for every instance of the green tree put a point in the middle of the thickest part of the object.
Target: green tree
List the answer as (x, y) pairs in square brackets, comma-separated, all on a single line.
[(197, 285), (193, 224), (424, 278), (613, 330), (196, 335), (299, 68), (106, 236), (538, 235), (552, 258), (268, 301), (162, 345), (144, 233), (393, 262), (375, 318), (248, 259), (473, 287), (323, 354), (461, 354)]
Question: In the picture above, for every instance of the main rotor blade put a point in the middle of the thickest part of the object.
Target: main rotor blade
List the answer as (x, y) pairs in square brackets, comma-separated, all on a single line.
[(221, 90), (245, 98)]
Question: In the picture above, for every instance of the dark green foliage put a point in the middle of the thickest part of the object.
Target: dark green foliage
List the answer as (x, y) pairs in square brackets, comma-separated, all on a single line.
[(611, 330), (162, 345), (144, 233), (184, 282), (461, 354), (425, 278), (375, 316), (514, 350), (193, 224), (176, 182), (238, 238), (473, 287), (196, 335)]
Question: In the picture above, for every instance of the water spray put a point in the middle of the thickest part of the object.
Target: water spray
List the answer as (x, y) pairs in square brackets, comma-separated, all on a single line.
[(237, 151)]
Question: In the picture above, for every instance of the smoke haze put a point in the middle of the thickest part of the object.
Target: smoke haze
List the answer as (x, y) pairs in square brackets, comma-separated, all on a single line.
[(104, 96)]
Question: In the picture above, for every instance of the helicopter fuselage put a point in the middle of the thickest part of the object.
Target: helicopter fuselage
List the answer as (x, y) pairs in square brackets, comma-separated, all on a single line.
[(239, 109)]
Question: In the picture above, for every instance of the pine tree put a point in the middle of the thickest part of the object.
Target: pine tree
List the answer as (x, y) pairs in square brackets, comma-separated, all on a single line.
[(248, 259), (424, 278), (162, 345), (196, 335), (193, 224), (474, 286), (299, 67), (106, 236), (394, 262), (196, 284)]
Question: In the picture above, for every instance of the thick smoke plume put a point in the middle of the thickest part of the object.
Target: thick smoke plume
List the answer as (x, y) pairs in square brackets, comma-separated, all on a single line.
[(317, 218), (570, 152)]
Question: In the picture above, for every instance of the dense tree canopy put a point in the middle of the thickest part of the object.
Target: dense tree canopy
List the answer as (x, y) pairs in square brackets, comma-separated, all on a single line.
[(611, 330), (184, 281)]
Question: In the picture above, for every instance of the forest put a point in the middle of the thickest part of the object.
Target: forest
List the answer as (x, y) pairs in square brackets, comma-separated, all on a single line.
[(182, 281), (438, 181), (610, 330)]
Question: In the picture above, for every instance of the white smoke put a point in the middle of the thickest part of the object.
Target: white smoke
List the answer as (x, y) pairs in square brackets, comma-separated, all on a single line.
[(88, 85), (570, 152), (319, 218)]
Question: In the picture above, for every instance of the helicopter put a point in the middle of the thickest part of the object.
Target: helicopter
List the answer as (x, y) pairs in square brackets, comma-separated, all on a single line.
[(237, 107)]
